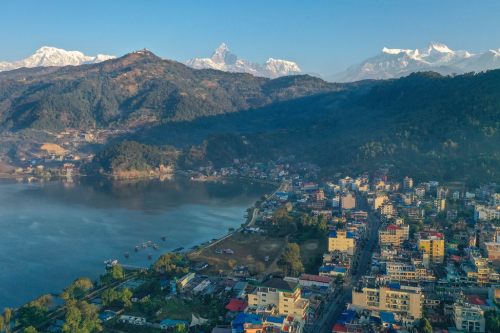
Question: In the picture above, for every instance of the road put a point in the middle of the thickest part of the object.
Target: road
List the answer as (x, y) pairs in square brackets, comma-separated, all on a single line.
[(336, 303)]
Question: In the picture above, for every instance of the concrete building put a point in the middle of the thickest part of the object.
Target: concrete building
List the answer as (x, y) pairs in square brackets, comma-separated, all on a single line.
[(468, 317), (440, 205), (432, 244), (493, 252), (348, 201), (405, 301), (342, 241), (379, 200), (485, 213), (285, 295), (407, 183), (399, 271), (393, 235)]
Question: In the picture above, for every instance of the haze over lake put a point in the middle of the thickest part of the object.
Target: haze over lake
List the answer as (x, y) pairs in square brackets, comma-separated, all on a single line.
[(55, 232)]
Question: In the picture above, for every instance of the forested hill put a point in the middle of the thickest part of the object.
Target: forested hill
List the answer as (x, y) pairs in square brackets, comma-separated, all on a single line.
[(424, 124), (135, 90)]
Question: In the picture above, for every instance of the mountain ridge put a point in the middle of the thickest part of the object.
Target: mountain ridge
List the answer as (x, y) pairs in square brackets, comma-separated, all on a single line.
[(394, 63), (47, 56), (223, 59), (139, 88)]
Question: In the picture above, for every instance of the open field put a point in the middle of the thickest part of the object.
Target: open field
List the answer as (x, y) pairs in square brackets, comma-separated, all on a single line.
[(249, 250)]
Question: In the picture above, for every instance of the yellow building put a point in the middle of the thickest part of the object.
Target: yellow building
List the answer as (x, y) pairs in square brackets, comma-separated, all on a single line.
[(405, 301), (393, 235), (398, 271), (342, 241), (285, 295), (379, 200), (432, 244), (348, 201)]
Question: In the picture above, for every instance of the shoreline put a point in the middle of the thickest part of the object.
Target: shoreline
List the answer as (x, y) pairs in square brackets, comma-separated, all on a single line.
[(188, 249)]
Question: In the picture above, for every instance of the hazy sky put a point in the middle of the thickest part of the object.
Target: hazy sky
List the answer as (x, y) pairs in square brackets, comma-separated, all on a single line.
[(322, 36)]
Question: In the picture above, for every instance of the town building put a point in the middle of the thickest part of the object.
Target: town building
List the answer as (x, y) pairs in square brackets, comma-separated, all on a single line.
[(406, 301), (407, 183), (285, 295), (468, 317), (432, 244), (348, 201), (393, 235), (399, 271), (341, 240)]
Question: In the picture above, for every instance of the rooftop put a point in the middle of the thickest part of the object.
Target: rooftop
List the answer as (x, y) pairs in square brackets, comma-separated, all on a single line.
[(280, 284)]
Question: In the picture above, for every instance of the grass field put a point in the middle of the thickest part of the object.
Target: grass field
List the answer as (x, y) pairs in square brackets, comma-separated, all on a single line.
[(249, 250)]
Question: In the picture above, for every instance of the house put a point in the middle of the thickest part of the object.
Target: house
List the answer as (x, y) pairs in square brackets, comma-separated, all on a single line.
[(318, 281)]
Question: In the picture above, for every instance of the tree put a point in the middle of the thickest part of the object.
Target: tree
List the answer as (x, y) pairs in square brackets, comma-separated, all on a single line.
[(81, 317), (170, 263), (30, 329), (117, 272), (492, 321), (290, 260), (115, 297), (77, 289), (180, 328), (114, 274), (2, 324), (339, 279), (7, 317), (424, 326)]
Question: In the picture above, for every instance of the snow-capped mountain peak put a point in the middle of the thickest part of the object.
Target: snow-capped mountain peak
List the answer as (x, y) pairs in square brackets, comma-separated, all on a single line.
[(439, 47), (438, 57), (399, 51), (495, 52), (52, 56), (222, 59)]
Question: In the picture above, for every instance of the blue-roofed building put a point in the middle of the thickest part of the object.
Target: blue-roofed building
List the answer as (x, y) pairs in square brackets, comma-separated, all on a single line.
[(242, 319), (387, 318), (329, 270), (347, 317), (343, 241), (276, 321)]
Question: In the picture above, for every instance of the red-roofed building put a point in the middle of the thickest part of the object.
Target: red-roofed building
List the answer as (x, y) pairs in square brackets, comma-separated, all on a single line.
[(393, 235), (310, 280), (236, 305), (476, 300), (339, 328)]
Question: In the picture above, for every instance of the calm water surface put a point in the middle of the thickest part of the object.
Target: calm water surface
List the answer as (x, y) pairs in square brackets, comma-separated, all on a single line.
[(55, 232)]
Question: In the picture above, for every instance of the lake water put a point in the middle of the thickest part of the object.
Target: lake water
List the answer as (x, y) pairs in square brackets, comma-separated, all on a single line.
[(52, 233)]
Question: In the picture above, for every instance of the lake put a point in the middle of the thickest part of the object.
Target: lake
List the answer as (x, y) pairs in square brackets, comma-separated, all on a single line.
[(52, 233)]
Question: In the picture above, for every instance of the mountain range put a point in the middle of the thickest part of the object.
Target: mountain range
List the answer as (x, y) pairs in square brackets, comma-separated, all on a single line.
[(425, 124), (437, 57), (50, 56), (222, 59), (138, 88), (388, 64)]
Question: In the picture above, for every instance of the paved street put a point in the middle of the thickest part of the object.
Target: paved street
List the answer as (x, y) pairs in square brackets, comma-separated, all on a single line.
[(336, 305)]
